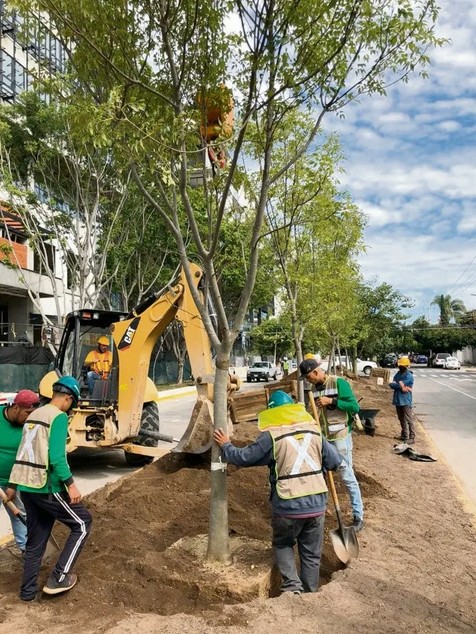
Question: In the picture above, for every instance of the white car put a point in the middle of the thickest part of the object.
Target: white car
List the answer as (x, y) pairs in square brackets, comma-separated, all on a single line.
[(452, 363), (262, 370), (363, 366)]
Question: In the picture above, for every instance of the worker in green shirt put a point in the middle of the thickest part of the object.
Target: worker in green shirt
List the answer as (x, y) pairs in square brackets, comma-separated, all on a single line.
[(337, 406), (43, 476), (12, 419)]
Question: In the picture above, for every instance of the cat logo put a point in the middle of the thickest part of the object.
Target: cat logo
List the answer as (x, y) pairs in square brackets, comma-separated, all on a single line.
[(129, 335)]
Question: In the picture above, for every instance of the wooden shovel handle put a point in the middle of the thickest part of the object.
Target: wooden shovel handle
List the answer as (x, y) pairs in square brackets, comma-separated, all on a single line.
[(330, 477), (14, 509)]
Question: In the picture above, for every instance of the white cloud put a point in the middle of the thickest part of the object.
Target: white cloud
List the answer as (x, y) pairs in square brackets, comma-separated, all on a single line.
[(411, 169)]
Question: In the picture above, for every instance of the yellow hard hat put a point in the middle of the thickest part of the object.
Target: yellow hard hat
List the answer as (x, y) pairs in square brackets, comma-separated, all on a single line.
[(309, 355), (104, 341), (404, 361)]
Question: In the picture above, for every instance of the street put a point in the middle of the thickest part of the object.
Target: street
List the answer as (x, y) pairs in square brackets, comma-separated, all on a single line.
[(445, 405)]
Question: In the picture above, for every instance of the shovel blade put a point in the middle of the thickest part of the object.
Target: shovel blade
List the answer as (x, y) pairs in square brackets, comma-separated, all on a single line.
[(345, 543)]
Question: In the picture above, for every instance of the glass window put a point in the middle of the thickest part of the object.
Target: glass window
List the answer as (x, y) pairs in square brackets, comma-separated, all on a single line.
[(6, 75)]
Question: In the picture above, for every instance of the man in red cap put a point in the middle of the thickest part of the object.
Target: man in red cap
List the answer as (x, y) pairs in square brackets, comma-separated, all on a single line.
[(12, 419)]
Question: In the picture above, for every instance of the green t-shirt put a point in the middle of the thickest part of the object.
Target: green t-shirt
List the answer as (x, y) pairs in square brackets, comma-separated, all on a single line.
[(10, 436)]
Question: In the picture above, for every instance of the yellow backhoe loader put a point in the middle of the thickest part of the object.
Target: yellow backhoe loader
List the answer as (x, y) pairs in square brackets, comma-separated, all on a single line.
[(122, 410)]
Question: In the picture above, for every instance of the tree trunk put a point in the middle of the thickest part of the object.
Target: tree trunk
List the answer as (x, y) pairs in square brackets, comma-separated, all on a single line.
[(218, 547)]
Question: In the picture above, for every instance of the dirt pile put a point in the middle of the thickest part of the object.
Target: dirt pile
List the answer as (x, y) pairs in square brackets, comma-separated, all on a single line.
[(416, 571)]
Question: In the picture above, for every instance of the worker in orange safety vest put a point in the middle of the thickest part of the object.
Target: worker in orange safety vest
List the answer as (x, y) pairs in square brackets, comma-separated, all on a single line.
[(98, 363)]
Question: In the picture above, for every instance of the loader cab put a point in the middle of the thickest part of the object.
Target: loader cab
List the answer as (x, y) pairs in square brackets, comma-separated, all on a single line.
[(80, 335)]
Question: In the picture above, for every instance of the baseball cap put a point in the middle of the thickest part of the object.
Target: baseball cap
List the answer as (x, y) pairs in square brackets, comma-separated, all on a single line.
[(306, 366), (26, 399)]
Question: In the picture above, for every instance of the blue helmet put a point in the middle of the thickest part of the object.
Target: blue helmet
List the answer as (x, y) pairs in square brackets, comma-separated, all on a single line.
[(68, 385), (279, 398)]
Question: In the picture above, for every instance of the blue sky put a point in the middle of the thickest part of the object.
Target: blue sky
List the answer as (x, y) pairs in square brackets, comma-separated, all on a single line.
[(411, 168)]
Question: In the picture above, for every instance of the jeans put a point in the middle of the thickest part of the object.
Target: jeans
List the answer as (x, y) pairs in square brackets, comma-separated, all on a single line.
[(346, 472), (18, 528), (405, 416), (308, 533), (92, 378)]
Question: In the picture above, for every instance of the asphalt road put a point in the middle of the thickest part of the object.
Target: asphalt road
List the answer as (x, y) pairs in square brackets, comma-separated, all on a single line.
[(445, 403)]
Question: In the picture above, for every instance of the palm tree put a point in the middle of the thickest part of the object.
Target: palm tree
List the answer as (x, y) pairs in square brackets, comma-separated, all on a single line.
[(449, 308)]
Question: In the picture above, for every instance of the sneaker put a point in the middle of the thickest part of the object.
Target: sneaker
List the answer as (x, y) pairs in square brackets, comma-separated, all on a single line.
[(53, 586), (411, 441), (358, 523), (31, 597), (401, 438)]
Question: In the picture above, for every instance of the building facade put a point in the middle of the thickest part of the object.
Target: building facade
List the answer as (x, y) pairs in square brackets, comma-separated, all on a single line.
[(28, 48)]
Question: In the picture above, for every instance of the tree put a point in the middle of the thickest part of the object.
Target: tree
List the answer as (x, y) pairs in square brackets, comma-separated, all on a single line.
[(273, 338), (150, 75), (449, 309), (382, 311), (81, 207)]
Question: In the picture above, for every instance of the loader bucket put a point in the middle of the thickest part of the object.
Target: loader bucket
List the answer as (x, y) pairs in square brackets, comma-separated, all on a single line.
[(198, 436)]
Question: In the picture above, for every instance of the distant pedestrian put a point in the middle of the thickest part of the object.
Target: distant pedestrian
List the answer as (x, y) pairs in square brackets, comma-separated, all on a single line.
[(337, 407), (297, 455), (49, 493), (402, 386), (12, 419), (286, 366)]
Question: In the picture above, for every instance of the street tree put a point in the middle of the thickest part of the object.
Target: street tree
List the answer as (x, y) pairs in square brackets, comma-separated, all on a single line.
[(149, 77), (316, 232), (273, 338), (382, 312), (71, 201)]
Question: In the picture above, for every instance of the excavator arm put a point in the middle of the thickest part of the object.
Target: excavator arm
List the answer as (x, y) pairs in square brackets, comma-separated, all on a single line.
[(135, 338)]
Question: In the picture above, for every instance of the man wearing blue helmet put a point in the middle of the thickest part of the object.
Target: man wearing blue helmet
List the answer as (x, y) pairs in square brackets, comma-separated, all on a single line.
[(297, 455), (43, 476)]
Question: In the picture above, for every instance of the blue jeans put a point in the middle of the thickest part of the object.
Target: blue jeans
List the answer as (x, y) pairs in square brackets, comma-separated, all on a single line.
[(346, 472), (18, 529), (92, 377)]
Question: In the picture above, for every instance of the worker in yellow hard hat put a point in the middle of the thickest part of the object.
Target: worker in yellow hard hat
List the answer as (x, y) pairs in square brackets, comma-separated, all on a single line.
[(402, 386), (97, 364)]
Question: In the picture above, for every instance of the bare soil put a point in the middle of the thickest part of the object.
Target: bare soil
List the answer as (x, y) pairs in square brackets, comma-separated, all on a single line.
[(143, 569)]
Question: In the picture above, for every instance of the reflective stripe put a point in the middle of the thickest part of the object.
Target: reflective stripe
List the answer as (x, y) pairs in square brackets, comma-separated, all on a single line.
[(302, 454), (80, 540), (333, 429)]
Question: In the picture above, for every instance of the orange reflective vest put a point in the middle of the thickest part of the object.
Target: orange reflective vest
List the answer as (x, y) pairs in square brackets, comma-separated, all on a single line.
[(99, 362)]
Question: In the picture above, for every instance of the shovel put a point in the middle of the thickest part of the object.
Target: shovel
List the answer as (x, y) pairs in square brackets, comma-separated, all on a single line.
[(344, 538), (16, 512)]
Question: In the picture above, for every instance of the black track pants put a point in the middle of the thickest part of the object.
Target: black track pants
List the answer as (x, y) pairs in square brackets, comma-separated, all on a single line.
[(41, 511)]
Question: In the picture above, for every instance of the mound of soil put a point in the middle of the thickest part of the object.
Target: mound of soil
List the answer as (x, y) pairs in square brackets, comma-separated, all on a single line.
[(144, 570)]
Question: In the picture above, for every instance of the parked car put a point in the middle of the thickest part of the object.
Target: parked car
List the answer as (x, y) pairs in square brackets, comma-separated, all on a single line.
[(389, 360), (452, 363), (262, 370), (420, 358), (363, 366), (438, 360)]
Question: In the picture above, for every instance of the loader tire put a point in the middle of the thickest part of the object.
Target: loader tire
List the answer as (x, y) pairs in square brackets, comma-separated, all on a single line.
[(150, 421)]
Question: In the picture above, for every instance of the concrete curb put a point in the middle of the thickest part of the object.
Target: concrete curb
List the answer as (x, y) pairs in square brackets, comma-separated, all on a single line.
[(167, 395)]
